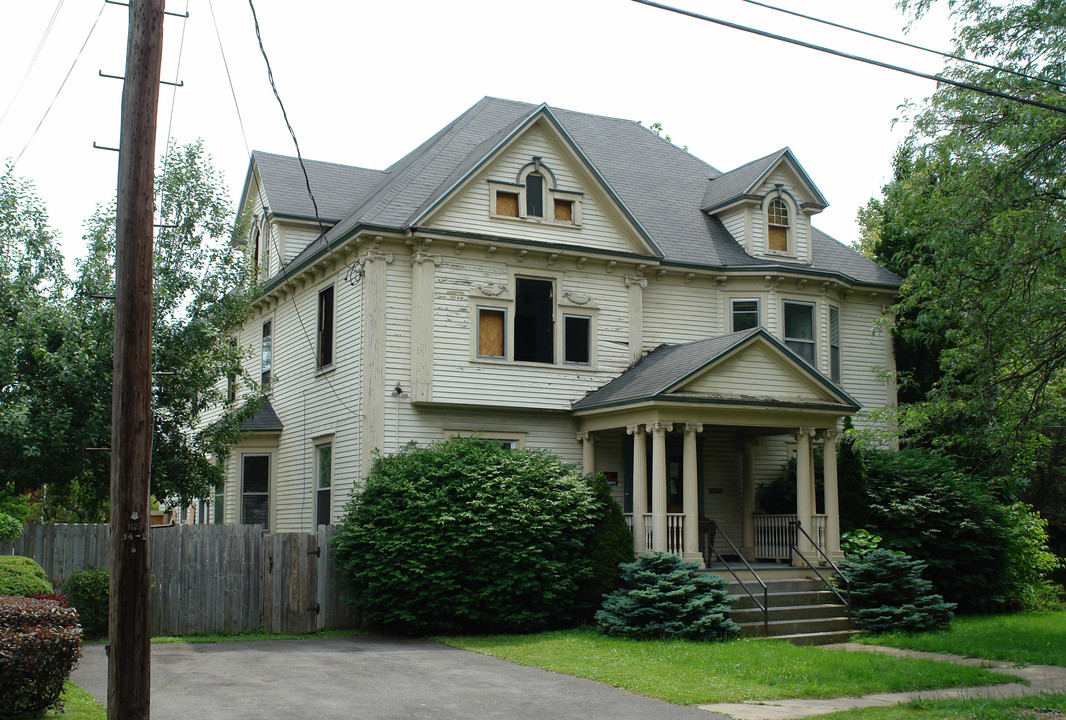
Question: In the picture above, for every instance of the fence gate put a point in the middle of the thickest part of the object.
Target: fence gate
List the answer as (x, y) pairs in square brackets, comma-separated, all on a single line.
[(290, 583)]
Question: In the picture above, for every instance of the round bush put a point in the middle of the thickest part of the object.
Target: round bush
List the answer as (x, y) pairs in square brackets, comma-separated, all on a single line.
[(40, 644), (88, 591), (22, 576), (663, 596), (889, 594), (467, 536)]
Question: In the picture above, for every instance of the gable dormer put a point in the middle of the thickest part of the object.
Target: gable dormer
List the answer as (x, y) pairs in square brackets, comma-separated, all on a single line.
[(767, 205)]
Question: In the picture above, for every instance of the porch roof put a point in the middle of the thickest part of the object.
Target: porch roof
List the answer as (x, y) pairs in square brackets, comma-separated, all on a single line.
[(264, 420), (670, 372)]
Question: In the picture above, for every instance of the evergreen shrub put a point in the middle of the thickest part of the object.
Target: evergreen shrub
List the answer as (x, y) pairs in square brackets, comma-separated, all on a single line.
[(663, 596), (889, 594), (40, 644), (610, 545), (88, 590), (468, 536), (22, 576)]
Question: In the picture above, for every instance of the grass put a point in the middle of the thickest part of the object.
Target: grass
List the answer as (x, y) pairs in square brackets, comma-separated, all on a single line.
[(689, 673), (252, 636), (77, 705), (1037, 638), (1035, 707)]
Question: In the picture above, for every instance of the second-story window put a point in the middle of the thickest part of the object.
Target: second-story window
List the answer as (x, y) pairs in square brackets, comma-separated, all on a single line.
[(834, 344), (268, 351), (325, 328), (534, 320), (799, 329), (745, 314), (534, 195)]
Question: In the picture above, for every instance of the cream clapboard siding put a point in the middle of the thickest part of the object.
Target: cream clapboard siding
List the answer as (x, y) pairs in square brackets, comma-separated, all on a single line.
[(471, 211), (294, 238), (736, 222), (801, 224), (680, 312), (460, 378), (723, 484), (755, 371), (865, 354)]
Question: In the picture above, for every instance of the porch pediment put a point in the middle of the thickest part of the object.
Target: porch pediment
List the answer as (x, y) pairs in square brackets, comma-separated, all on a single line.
[(749, 368)]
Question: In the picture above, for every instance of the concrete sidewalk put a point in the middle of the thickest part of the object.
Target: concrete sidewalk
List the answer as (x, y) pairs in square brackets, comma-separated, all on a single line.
[(1041, 678)]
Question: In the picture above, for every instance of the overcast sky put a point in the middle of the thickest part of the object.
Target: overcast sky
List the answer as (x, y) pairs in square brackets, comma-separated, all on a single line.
[(365, 82)]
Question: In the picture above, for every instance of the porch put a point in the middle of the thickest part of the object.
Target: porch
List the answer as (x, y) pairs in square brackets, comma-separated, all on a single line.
[(773, 536)]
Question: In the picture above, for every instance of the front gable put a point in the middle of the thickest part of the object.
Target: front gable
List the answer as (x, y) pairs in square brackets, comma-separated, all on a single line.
[(758, 370), (576, 207)]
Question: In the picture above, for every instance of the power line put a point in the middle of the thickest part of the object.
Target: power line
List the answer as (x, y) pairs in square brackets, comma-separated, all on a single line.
[(173, 101), (858, 58), (229, 78), (904, 43), (33, 60), (61, 85)]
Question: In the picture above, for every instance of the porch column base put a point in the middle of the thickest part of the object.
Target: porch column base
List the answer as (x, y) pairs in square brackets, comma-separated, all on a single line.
[(694, 557)]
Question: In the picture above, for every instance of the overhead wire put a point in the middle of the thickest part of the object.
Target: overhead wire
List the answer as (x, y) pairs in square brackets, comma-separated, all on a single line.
[(174, 97), (904, 43), (857, 58), (61, 85), (33, 60)]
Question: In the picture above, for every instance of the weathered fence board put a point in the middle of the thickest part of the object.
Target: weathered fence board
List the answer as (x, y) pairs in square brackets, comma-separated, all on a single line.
[(211, 578)]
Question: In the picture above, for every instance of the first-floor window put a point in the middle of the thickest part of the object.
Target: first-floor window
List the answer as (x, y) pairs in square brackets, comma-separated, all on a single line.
[(799, 329), (577, 334), (745, 314), (255, 490), (834, 344), (324, 473)]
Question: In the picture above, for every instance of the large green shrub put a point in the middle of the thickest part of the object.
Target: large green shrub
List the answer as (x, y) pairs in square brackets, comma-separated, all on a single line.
[(88, 591), (663, 596), (10, 527), (610, 545), (40, 644), (1030, 561), (922, 505), (467, 536), (889, 594), (22, 576)]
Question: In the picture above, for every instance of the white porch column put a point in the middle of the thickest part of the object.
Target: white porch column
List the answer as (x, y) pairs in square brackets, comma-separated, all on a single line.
[(691, 548), (832, 497), (588, 452), (640, 486), (658, 485), (747, 547), (804, 493)]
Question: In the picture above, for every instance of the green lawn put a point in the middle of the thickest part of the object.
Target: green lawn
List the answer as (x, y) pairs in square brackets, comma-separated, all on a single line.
[(1036, 638), (77, 705), (250, 636), (689, 673), (1025, 708)]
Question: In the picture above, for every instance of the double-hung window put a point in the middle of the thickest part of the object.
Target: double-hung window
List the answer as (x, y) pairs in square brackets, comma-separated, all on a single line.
[(834, 344), (255, 490), (745, 314), (799, 329), (268, 351), (324, 483)]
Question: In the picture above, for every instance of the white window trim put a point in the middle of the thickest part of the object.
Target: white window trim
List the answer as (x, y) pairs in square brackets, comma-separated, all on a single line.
[(758, 310), (784, 197)]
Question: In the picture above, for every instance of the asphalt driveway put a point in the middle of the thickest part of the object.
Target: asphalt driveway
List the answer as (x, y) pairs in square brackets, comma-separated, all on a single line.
[(369, 678)]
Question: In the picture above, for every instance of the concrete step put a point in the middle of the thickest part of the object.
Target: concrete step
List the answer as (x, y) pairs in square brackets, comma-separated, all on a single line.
[(789, 612), (798, 597), (778, 585), (787, 628), (819, 638)]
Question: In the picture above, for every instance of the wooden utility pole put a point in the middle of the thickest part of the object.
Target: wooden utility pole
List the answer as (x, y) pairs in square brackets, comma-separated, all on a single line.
[(129, 619)]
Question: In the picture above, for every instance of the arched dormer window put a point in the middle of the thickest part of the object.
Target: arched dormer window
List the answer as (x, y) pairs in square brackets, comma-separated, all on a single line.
[(777, 226), (535, 195)]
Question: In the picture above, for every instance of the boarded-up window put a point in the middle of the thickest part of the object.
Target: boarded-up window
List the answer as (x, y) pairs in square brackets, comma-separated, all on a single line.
[(777, 225), (564, 210), (507, 204), (490, 324)]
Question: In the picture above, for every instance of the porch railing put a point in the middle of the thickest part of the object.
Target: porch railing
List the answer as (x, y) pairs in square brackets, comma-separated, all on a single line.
[(775, 534), (675, 531)]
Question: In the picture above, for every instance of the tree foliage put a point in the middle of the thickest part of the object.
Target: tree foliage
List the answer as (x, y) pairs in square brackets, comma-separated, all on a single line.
[(55, 346)]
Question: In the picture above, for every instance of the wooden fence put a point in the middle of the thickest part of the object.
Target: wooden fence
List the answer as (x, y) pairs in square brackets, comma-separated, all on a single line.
[(211, 578)]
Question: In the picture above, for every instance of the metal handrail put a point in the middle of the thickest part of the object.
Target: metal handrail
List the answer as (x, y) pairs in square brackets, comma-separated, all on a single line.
[(765, 604), (847, 583)]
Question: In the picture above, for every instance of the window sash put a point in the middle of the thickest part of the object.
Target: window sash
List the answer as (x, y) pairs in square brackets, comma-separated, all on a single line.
[(255, 490), (799, 330), (324, 483), (745, 314)]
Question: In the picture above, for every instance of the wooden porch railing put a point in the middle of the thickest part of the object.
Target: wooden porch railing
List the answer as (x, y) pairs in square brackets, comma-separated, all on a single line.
[(675, 531), (774, 535)]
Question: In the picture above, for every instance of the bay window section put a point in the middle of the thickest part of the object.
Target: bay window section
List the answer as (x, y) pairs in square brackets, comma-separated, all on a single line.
[(799, 329)]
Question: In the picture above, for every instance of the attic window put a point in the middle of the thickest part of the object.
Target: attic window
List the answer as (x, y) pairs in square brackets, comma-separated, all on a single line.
[(564, 210), (777, 225), (534, 195), (507, 204)]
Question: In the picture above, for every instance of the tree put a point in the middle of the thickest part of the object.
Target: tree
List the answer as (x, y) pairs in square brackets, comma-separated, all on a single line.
[(55, 411), (975, 217)]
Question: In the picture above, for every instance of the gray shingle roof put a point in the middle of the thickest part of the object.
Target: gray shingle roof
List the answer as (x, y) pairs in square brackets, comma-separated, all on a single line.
[(661, 186), (264, 420), (668, 365), (333, 185)]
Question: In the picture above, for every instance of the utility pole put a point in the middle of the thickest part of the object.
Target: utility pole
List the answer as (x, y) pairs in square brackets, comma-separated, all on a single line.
[(129, 619)]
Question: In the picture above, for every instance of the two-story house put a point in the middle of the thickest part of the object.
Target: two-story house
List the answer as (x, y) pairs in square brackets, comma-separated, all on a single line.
[(552, 279)]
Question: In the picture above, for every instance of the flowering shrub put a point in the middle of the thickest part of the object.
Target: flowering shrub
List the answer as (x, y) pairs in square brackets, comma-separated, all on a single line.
[(40, 643)]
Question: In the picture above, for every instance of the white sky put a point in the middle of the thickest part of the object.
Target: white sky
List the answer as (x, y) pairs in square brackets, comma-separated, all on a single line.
[(366, 82)]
